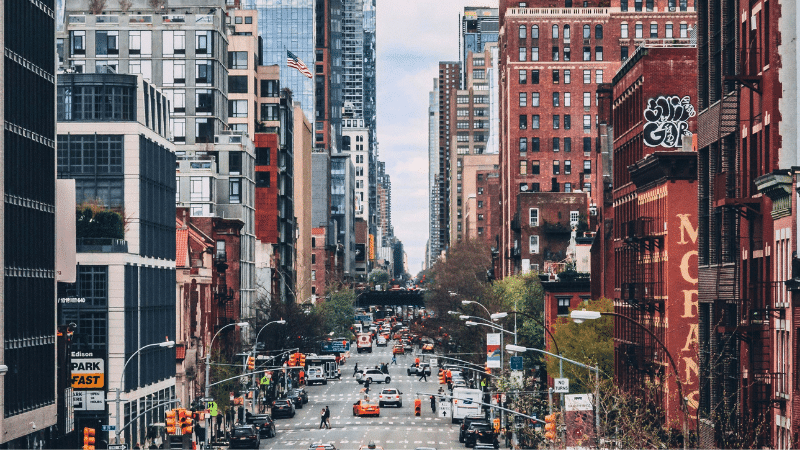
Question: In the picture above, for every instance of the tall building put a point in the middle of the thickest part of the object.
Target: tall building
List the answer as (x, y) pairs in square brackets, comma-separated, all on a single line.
[(303, 146), (288, 25), (243, 73), (541, 76), (182, 51), (448, 82), (28, 322), (433, 247), (328, 76), (479, 26), (123, 165), (385, 206), (343, 212)]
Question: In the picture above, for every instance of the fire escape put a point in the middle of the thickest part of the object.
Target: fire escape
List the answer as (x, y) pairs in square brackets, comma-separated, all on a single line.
[(643, 296), (223, 295)]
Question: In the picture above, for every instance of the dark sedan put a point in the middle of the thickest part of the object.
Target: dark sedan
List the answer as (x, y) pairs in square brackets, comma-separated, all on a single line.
[(303, 394), (244, 436), (283, 408), (264, 424), (296, 399), (481, 432)]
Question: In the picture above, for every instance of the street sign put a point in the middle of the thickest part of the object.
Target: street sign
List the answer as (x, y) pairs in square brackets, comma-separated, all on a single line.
[(117, 446), (561, 386), (207, 399), (516, 363), (109, 428), (244, 380), (433, 362), (445, 409), (336, 346)]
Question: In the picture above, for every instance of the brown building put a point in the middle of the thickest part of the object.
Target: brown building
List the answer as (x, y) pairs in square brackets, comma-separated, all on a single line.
[(320, 264), (242, 71)]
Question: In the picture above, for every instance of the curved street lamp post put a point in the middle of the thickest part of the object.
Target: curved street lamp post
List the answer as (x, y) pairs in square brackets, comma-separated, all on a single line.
[(208, 372), (255, 343)]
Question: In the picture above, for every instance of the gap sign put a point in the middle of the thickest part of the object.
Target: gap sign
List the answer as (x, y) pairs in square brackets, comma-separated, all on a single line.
[(88, 373)]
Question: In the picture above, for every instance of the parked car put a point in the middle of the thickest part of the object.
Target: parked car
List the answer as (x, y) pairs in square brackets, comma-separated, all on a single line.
[(283, 408), (315, 375), (373, 375), (365, 408), (264, 424), (321, 446), (245, 436), (296, 399), (482, 432), (390, 396), (466, 423), (417, 370)]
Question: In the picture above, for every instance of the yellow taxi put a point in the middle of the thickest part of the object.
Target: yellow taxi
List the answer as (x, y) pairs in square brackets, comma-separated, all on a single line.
[(427, 348), (398, 350), (365, 408)]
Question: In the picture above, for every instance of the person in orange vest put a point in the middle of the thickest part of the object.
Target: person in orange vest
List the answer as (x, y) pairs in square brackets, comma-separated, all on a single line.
[(416, 362), (302, 378)]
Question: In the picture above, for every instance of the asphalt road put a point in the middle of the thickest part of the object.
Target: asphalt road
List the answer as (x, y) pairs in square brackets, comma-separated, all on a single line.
[(395, 428)]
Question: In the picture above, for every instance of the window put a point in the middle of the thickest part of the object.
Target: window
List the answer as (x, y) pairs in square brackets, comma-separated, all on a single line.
[(263, 179), (480, 216), (203, 130), (567, 187), (478, 74), (587, 53), (533, 244), (639, 33), (574, 216), (237, 60), (567, 54), (587, 76), (78, 42), (523, 54), (555, 53), (313, 275), (523, 99), (269, 111), (523, 167), (523, 77), (200, 189), (523, 145), (567, 76), (563, 306), (174, 43), (106, 43), (237, 108), (263, 156), (598, 76), (598, 31), (623, 52), (653, 30), (237, 84), (649, 5), (248, 20), (567, 167), (587, 166), (204, 72), (535, 144), (555, 77), (179, 130), (140, 43), (637, 5), (535, 122), (556, 122), (204, 101), (533, 214), (462, 99), (523, 121), (556, 144), (555, 31), (587, 187), (523, 32), (535, 99), (144, 67), (535, 187), (598, 53), (270, 88), (623, 31), (567, 121), (236, 190), (313, 255), (587, 123), (534, 31), (566, 33), (567, 145), (587, 32), (587, 145), (534, 53), (534, 167), (587, 99), (534, 77), (202, 42), (556, 167), (684, 30), (668, 31), (555, 99), (567, 99)]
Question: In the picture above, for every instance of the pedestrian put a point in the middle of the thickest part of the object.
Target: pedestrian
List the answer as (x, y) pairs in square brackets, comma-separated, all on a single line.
[(366, 386), (328, 417), (322, 418), (355, 369), (433, 404), (394, 359), (423, 374)]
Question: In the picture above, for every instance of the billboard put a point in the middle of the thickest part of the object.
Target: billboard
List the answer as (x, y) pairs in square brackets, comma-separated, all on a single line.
[(493, 350), (87, 371)]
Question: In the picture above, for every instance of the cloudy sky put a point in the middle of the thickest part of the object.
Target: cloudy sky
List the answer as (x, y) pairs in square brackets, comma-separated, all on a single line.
[(413, 36)]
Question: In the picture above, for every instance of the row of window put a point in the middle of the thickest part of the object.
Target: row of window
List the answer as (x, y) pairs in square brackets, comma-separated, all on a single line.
[(533, 216), (536, 187), (598, 31), (673, 5), (639, 31), (140, 43), (533, 167), (535, 122), (557, 97), (587, 53), (533, 145), (556, 76), (587, 32)]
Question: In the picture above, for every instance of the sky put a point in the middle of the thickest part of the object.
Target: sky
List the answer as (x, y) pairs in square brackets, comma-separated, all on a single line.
[(412, 37)]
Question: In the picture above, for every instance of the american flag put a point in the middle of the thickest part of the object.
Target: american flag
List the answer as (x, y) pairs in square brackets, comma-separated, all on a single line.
[(293, 61)]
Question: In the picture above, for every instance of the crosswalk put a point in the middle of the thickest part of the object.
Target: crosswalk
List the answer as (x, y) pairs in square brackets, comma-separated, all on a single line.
[(335, 420)]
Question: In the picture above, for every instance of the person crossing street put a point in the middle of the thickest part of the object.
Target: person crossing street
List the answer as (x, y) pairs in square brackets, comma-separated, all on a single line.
[(355, 369), (423, 374)]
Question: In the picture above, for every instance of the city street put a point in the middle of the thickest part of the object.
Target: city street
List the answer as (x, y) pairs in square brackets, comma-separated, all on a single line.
[(395, 428)]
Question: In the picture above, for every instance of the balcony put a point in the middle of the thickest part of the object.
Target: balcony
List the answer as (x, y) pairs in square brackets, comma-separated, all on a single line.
[(101, 245)]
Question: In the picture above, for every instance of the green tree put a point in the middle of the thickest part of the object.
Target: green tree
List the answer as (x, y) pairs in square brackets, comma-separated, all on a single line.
[(522, 293), (590, 342), (337, 313), (379, 277), (93, 221)]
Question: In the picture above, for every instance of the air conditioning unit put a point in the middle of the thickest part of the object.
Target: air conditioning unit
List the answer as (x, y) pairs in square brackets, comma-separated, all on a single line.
[(672, 9), (523, 187)]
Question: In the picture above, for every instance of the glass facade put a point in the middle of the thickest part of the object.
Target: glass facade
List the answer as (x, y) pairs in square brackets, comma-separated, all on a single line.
[(288, 25)]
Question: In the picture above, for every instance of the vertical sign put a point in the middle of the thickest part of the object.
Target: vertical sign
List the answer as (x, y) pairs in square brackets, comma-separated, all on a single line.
[(493, 350)]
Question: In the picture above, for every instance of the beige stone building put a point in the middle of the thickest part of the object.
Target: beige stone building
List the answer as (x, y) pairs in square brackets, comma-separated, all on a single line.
[(303, 146)]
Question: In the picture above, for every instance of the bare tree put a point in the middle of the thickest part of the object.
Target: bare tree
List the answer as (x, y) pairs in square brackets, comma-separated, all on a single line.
[(97, 6)]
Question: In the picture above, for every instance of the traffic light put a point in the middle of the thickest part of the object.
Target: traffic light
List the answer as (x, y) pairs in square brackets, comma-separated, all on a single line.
[(88, 438), (302, 360), (251, 363), (171, 421), (186, 423), (442, 377), (550, 427)]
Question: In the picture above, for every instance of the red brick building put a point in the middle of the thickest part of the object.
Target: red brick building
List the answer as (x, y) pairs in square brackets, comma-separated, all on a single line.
[(552, 61), (320, 264)]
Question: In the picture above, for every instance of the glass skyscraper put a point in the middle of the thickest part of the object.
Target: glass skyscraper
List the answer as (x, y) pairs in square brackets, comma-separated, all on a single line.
[(288, 25)]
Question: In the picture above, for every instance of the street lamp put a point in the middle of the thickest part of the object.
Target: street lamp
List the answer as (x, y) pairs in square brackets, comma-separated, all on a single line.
[(502, 330), (519, 348), (580, 316), (167, 344), (208, 369), (502, 315), (470, 302), (255, 343)]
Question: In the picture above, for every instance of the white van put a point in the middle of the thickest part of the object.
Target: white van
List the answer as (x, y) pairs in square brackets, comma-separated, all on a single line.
[(464, 403)]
